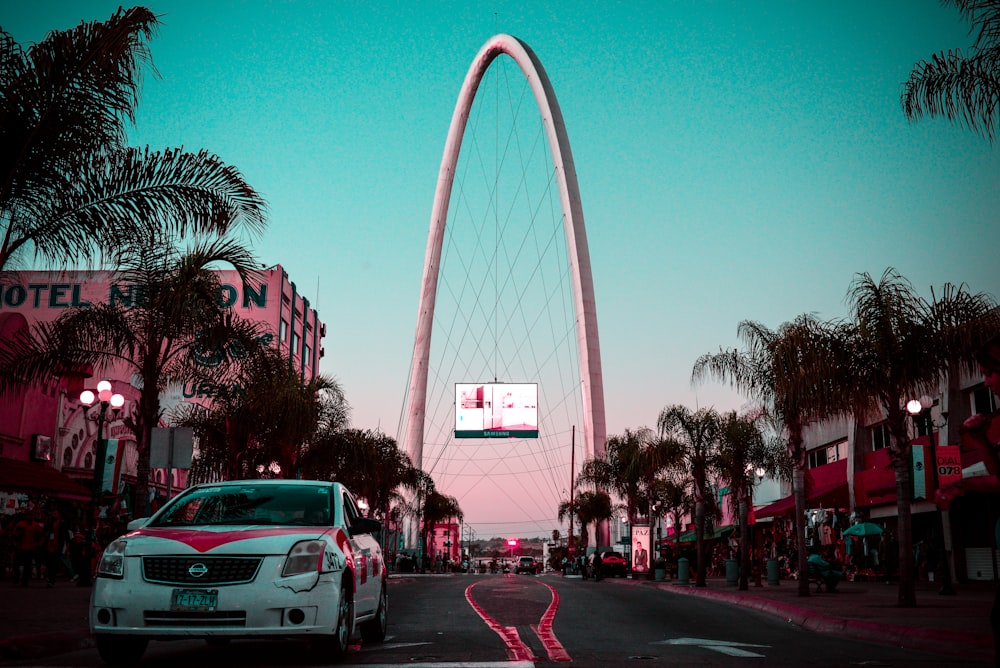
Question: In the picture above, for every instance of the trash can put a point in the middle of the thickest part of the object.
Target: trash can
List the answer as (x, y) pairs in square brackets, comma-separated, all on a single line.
[(732, 572), (772, 572), (660, 570), (683, 571)]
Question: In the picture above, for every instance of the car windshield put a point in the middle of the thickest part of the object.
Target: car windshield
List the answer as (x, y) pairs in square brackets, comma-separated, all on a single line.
[(298, 505)]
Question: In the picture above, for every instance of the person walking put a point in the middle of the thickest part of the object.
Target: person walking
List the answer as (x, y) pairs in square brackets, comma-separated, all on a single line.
[(27, 534), (54, 543), (598, 563)]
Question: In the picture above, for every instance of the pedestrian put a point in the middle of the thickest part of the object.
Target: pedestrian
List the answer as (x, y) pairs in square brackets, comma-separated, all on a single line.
[(53, 540), (27, 534), (598, 563), (80, 554), (826, 567)]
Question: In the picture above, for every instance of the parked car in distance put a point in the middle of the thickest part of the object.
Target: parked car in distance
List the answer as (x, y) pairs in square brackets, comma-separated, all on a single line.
[(526, 565), (612, 564), (247, 559)]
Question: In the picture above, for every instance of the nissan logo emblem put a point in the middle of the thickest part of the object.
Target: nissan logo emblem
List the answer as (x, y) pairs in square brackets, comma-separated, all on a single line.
[(197, 570)]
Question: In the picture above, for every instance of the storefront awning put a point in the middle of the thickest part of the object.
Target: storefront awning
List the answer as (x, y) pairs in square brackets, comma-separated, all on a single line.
[(33, 478), (689, 537), (826, 486), (981, 483)]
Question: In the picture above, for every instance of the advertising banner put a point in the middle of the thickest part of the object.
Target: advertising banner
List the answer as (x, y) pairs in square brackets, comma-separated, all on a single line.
[(641, 547)]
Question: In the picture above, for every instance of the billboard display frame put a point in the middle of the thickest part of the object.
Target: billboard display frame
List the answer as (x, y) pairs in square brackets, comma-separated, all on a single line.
[(496, 410)]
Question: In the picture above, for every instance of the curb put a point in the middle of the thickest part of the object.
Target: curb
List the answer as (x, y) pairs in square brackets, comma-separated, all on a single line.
[(959, 643)]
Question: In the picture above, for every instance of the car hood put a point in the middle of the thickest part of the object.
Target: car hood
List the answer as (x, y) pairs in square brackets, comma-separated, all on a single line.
[(251, 539)]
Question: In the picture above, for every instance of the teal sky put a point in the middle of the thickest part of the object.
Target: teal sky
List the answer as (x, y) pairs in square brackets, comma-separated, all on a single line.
[(736, 160)]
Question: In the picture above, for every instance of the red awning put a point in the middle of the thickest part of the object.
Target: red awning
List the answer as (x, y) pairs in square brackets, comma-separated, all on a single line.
[(32, 478), (980, 483), (827, 487)]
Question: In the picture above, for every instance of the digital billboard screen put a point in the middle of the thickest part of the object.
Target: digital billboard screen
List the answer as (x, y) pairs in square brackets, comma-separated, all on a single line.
[(496, 410)]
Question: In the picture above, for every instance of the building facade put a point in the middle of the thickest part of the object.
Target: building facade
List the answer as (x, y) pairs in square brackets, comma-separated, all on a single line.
[(851, 479), (48, 425)]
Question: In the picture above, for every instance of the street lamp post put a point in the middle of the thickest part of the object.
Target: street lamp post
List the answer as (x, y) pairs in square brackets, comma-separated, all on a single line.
[(755, 547), (921, 408), (105, 398)]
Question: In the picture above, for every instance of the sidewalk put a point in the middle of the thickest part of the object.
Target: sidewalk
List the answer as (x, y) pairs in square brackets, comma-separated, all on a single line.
[(958, 625), (37, 621)]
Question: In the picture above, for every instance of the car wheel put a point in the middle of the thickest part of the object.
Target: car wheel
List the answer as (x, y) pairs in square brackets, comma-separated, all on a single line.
[(120, 650), (335, 646), (374, 629)]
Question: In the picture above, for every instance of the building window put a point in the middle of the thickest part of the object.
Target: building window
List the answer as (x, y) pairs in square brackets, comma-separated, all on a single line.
[(307, 352), (880, 436), (983, 401), (295, 343), (817, 457), (283, 331)]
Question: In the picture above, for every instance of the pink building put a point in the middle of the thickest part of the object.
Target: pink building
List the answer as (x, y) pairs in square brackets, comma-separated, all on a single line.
[(445, 542), (47, 426)]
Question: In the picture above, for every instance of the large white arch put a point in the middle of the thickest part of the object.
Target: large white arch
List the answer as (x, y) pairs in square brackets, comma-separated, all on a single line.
[(588, 344)]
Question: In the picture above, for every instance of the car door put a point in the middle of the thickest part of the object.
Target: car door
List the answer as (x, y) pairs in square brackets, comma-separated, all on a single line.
[(367, 559)]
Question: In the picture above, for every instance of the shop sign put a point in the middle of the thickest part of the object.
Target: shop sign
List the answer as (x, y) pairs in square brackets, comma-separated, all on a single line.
[(948, 459)]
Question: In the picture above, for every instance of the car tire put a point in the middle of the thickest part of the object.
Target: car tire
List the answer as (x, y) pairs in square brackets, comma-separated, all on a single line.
[(120, 650), (335, 646), (374, 629)]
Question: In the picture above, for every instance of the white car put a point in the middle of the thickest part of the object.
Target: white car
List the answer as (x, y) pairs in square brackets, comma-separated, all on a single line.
[(243, 559)]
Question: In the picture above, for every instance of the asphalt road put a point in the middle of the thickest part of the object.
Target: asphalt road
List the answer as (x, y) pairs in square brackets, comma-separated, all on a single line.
[(530, 621)]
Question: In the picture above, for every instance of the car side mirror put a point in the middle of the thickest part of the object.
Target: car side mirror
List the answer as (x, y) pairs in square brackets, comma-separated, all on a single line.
[(366, 525), (137, 523)]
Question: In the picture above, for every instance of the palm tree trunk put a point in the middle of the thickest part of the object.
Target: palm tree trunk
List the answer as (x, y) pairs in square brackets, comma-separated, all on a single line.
[(699, 534), (146, 419), (799, 490), (906, 597), (798, 454), (744, 564)]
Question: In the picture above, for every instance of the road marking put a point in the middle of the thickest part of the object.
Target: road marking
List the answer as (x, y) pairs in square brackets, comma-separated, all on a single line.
[(457, 664), (391, 645), (726, 647), (516, 649)]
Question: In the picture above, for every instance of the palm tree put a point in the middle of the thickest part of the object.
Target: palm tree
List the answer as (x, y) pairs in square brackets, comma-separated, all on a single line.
[(369, 462), (962, 88), (692, 437), (589, 507), (161, 337), (896, 348), (630, 463), (671, 493), (743, 450), (69, 187), (262, 416), (786, 371)]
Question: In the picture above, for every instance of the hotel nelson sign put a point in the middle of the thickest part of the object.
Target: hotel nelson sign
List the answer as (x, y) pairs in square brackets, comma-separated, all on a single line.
[(46, 295), (57, 296)]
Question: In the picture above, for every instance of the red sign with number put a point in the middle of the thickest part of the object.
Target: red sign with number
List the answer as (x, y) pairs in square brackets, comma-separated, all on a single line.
[(948, 459)]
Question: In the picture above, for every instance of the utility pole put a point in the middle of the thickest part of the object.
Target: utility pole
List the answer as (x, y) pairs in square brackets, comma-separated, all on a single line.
[(572, 468)]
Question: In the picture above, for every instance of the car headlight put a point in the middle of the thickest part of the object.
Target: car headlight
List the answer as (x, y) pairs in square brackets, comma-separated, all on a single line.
[(306, 556), (112, 564)]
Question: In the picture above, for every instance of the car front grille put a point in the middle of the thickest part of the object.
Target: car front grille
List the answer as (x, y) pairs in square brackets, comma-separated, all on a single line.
[(206, 619), (211, 570)]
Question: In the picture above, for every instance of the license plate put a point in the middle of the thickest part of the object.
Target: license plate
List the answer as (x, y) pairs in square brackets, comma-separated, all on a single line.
[(194, 600)]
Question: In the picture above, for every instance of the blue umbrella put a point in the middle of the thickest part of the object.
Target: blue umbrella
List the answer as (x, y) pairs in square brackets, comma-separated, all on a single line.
[(863, 529)]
